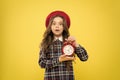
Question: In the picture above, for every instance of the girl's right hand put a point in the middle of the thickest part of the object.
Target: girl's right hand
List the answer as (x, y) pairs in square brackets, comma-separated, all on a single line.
[(65, 58)]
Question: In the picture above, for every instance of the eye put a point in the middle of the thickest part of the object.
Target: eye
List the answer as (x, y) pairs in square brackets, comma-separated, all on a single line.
[(53, 23), (61, 23)]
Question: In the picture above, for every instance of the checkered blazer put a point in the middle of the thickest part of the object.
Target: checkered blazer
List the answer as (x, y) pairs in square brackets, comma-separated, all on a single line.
[(55, 70)]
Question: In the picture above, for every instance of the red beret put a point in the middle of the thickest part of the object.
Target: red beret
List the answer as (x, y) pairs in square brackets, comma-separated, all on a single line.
[(60, 13)]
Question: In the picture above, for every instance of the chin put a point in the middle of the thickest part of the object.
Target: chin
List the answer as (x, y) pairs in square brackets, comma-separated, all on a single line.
[(58, 35)]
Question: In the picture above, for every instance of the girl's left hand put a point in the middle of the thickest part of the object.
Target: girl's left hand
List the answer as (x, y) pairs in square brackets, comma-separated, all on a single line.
[(72, 40)]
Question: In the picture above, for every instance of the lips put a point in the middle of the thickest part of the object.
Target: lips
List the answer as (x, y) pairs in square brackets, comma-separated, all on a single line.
[(57, 30)]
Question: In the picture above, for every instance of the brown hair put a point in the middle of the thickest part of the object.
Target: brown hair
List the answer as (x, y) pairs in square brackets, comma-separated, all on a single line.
[(49, 36)]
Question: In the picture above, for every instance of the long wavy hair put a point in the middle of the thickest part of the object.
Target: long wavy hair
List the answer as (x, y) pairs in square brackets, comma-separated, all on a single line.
[(49, 36)]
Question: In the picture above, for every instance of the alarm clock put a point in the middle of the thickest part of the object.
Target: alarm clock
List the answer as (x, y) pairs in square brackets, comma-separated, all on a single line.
[(68, 49)]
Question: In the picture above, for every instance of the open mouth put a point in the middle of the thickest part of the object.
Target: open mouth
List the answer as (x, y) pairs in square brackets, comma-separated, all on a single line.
[(57, 30)]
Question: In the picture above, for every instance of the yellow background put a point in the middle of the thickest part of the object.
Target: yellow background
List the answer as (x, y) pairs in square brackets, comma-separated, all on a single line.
[(94, 23)]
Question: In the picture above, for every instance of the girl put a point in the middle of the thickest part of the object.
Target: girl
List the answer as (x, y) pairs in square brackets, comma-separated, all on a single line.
[(51, 58)]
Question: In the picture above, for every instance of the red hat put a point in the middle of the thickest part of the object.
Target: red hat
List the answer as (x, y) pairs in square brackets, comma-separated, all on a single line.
[(61, 13)]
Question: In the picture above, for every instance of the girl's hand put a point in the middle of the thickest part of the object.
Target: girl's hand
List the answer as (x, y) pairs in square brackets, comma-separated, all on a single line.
[(72, 40), (65, 58)]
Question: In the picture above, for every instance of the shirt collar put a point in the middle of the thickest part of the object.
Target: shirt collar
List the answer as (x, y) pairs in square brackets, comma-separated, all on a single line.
[(58, 38)]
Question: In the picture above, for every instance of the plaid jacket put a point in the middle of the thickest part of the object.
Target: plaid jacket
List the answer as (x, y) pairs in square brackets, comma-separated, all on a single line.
[(55, 70)]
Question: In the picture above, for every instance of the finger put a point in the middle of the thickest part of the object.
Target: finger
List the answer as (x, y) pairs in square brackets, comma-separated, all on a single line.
[(64, 55), (71, 39), (70, 58), (66, 39)]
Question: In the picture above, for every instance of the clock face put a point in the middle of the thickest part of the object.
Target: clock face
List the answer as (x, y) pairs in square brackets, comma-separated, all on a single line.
[(68, 49)]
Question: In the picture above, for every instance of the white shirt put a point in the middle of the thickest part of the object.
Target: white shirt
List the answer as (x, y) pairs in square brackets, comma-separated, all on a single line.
[(60, 38)]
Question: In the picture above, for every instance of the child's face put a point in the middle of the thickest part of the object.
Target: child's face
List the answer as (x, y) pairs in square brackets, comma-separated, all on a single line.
[(57, 26)]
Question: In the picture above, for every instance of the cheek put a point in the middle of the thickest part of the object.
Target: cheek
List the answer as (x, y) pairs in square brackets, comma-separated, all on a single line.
[(61, 28), (52, 28)]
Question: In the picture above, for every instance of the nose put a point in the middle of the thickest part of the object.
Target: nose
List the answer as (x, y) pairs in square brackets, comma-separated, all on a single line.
[(57, 25)]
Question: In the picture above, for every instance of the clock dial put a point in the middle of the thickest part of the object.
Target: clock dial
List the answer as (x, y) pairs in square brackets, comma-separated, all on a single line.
[(68, 49)]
